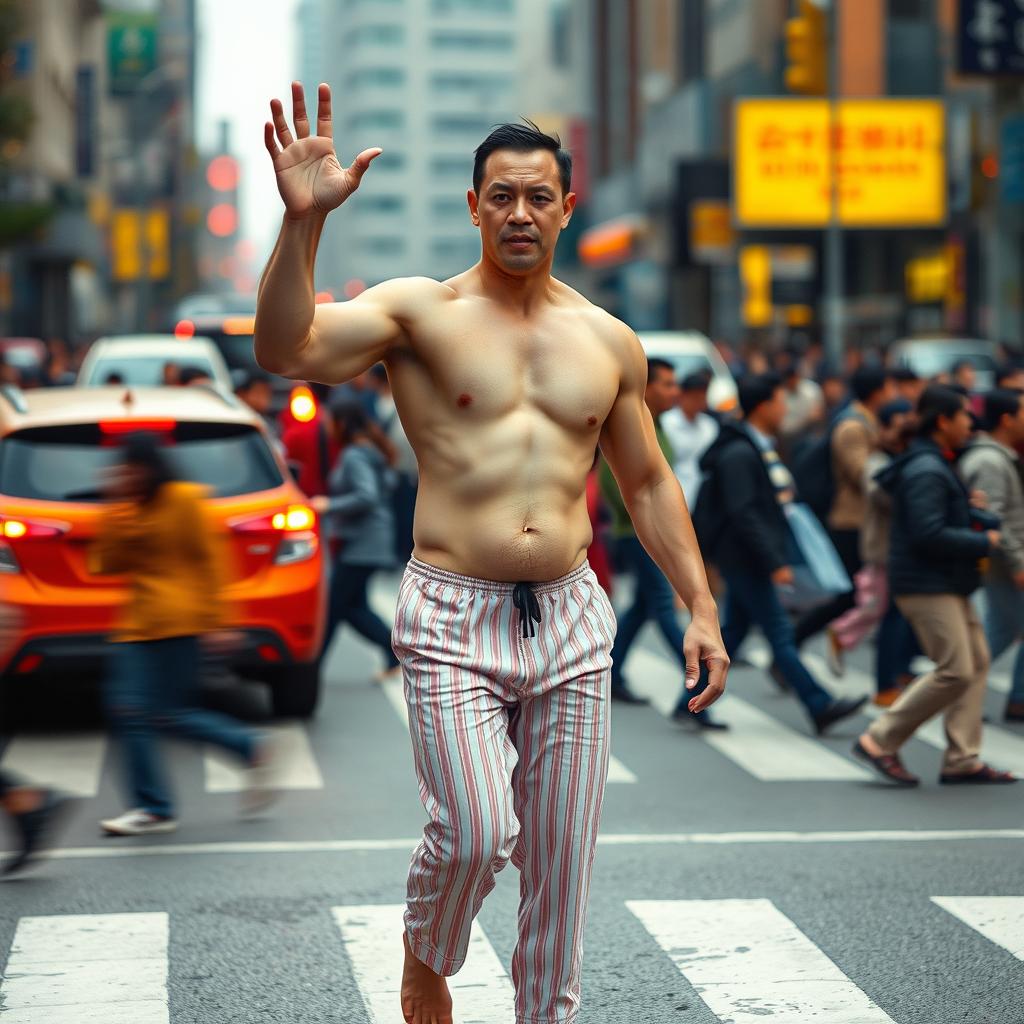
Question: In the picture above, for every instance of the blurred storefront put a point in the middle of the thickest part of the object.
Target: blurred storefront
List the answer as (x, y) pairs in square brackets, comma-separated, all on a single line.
[(931, 156)]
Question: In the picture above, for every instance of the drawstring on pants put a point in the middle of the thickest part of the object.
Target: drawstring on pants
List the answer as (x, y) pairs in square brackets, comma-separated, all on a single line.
[(528, 607)]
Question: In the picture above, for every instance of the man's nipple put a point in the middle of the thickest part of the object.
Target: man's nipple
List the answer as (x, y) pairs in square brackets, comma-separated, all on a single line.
[(464, 401), (592, 420)]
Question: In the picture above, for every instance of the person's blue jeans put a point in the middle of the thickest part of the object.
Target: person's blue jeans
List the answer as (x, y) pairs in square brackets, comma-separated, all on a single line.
[(653, 599), (152, 687), (895, 648), (752, 601), (349, 602), (1004, 625)]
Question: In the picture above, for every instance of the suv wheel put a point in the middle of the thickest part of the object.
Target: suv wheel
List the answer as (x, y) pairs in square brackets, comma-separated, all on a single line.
[(296, 691)]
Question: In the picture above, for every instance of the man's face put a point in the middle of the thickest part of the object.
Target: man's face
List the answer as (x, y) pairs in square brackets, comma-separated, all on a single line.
[(1016, 425), (693, 402), (520, 209), (966, 377), (662, 392), (957, 428), (894, 437), (774, 411)]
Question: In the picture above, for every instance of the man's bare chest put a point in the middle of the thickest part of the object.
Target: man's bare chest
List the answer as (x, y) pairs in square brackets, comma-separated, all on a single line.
[(482, 371)]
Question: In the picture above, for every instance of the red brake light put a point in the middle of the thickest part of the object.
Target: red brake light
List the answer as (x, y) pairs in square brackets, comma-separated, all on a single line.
[(162, 425), (294, 519), (28, 529), (303, 404), (184, 329)]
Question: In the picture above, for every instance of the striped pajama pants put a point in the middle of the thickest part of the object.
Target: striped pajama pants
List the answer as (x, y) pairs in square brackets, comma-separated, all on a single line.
[(510, 736)]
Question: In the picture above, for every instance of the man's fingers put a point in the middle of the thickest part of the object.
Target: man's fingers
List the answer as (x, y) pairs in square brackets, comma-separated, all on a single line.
[(323, 112), (361, 162), (268, 139), (691, 652), (284, 136), (299, 115)]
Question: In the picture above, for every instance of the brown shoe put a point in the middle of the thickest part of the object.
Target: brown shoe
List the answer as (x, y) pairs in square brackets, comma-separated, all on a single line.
[(889, 766), (1014, 712), (886, 698), (983, 776)]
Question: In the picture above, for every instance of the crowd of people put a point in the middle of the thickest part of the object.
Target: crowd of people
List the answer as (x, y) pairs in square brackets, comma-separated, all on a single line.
[(917, 488)]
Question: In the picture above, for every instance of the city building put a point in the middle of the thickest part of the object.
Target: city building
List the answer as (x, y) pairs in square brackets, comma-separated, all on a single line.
[(426, 80)]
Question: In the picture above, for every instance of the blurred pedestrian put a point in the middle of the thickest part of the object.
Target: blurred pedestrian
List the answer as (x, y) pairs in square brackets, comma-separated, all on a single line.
[(851, 440), (937, 543), (908, 384), (155, 531), (896, 645), (690, 429), (992, 465), (310, 444), (805, 404), (653, 597), (964, 375), (742, 527), (170, 375), (1010, 376), (33, 811), (195, 376), (600, 517), (57, 369), (359, 514)]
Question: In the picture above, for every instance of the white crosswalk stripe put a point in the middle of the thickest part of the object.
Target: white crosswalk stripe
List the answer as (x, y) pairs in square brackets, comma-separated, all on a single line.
[(481, 991), (746, 959), (70, 763), (294, 765), (756, 741), (999, 918), (87, 969)]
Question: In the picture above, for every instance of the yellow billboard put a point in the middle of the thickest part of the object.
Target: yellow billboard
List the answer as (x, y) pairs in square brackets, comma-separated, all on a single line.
[(890, 157)]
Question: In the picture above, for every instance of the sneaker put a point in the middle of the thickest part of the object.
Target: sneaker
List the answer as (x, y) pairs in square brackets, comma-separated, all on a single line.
[(836, 711), (834, 653), (36, 829), (138, 822), (258, 793)]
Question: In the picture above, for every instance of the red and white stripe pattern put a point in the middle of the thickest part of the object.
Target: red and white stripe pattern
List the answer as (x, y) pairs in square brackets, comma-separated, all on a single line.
[(511, 742)]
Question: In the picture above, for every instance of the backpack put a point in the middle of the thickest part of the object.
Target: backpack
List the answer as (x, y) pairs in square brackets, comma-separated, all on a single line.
[(707, 514), (813, 472)]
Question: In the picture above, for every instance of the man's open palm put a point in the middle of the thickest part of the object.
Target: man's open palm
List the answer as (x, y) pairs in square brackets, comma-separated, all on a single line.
[(309, 176)]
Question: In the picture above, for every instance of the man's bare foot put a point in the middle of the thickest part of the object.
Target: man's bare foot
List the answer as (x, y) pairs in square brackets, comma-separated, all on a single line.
[(425, 998), (870, 745)]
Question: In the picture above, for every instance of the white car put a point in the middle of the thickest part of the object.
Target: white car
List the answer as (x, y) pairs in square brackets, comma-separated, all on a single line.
[(928, 357), (139, 360), (691, 352)]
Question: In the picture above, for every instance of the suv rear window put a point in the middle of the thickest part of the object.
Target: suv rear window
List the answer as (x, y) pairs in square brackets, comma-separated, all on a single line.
[(142, 371), (67, 463)]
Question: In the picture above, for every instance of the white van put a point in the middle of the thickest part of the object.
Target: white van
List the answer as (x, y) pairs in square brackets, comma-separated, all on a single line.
[(691, 352)]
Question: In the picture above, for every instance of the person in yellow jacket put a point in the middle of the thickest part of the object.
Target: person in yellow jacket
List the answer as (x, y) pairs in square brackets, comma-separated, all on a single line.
[(155, 532)]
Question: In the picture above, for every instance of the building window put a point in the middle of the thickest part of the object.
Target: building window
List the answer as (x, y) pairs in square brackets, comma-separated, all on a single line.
[(389, 162), (381, 204), (461, 82), (449, 206), (375, 78), (452, 167), (462, 124), (465, 250), (376, 35), (377, 120), (494, 6), (479, 42), (383, 246)]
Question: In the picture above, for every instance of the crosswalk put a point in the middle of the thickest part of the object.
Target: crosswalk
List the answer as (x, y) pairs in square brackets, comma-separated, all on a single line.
[(743, 958), (760, 742)]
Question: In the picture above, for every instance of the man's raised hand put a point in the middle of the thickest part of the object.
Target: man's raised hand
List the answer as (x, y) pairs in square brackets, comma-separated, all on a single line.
[(309, 176)]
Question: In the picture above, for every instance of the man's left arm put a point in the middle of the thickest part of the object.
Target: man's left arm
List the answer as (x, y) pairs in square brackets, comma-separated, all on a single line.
[(657, 508)]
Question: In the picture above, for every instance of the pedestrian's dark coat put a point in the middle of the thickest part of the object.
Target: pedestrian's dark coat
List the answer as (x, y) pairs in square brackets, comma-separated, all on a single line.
[(933, 548), (753, 537)]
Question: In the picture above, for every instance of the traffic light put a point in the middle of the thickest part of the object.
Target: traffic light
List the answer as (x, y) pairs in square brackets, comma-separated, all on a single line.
[(807, 50)]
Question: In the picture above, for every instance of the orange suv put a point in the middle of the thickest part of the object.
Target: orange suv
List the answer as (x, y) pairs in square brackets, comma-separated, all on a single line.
[(54, 446)]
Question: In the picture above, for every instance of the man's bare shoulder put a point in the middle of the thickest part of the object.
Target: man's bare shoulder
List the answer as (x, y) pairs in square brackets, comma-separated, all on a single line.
[(406, 298)]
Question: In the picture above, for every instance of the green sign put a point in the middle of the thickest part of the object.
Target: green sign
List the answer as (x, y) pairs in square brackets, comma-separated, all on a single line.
[(131, 50)]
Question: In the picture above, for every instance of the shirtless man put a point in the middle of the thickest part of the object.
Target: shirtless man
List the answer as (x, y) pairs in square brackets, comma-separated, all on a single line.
[(505, 381)]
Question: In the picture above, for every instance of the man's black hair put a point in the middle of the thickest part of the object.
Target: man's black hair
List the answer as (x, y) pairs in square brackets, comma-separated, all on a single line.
[(903, 374), (889, 411), (699, 380), (999, 403), (254, 376), (350, 414), (756, 389), (522, 138), (1007, 370), (867, 381), (656, 364), (961, 364), (145, 450), (937, 400)]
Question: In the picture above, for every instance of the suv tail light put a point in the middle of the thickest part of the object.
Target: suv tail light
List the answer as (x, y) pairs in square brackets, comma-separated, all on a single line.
[(23, 530), (295, 526)]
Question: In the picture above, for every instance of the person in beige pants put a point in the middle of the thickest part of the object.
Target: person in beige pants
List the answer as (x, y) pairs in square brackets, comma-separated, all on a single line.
[(934, 559)]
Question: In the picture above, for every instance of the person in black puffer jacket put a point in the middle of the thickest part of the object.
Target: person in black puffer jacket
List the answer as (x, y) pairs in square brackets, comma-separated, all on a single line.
[(937, 544)]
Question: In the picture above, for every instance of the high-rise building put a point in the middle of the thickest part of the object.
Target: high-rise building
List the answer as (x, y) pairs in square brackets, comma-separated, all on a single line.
[(426, 80)]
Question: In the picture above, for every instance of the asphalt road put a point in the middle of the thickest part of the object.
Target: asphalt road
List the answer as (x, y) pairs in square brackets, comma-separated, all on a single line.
[(756, 875)]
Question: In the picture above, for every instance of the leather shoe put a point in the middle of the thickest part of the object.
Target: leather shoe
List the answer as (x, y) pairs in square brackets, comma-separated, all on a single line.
[(1014, 712), (835, 711)]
